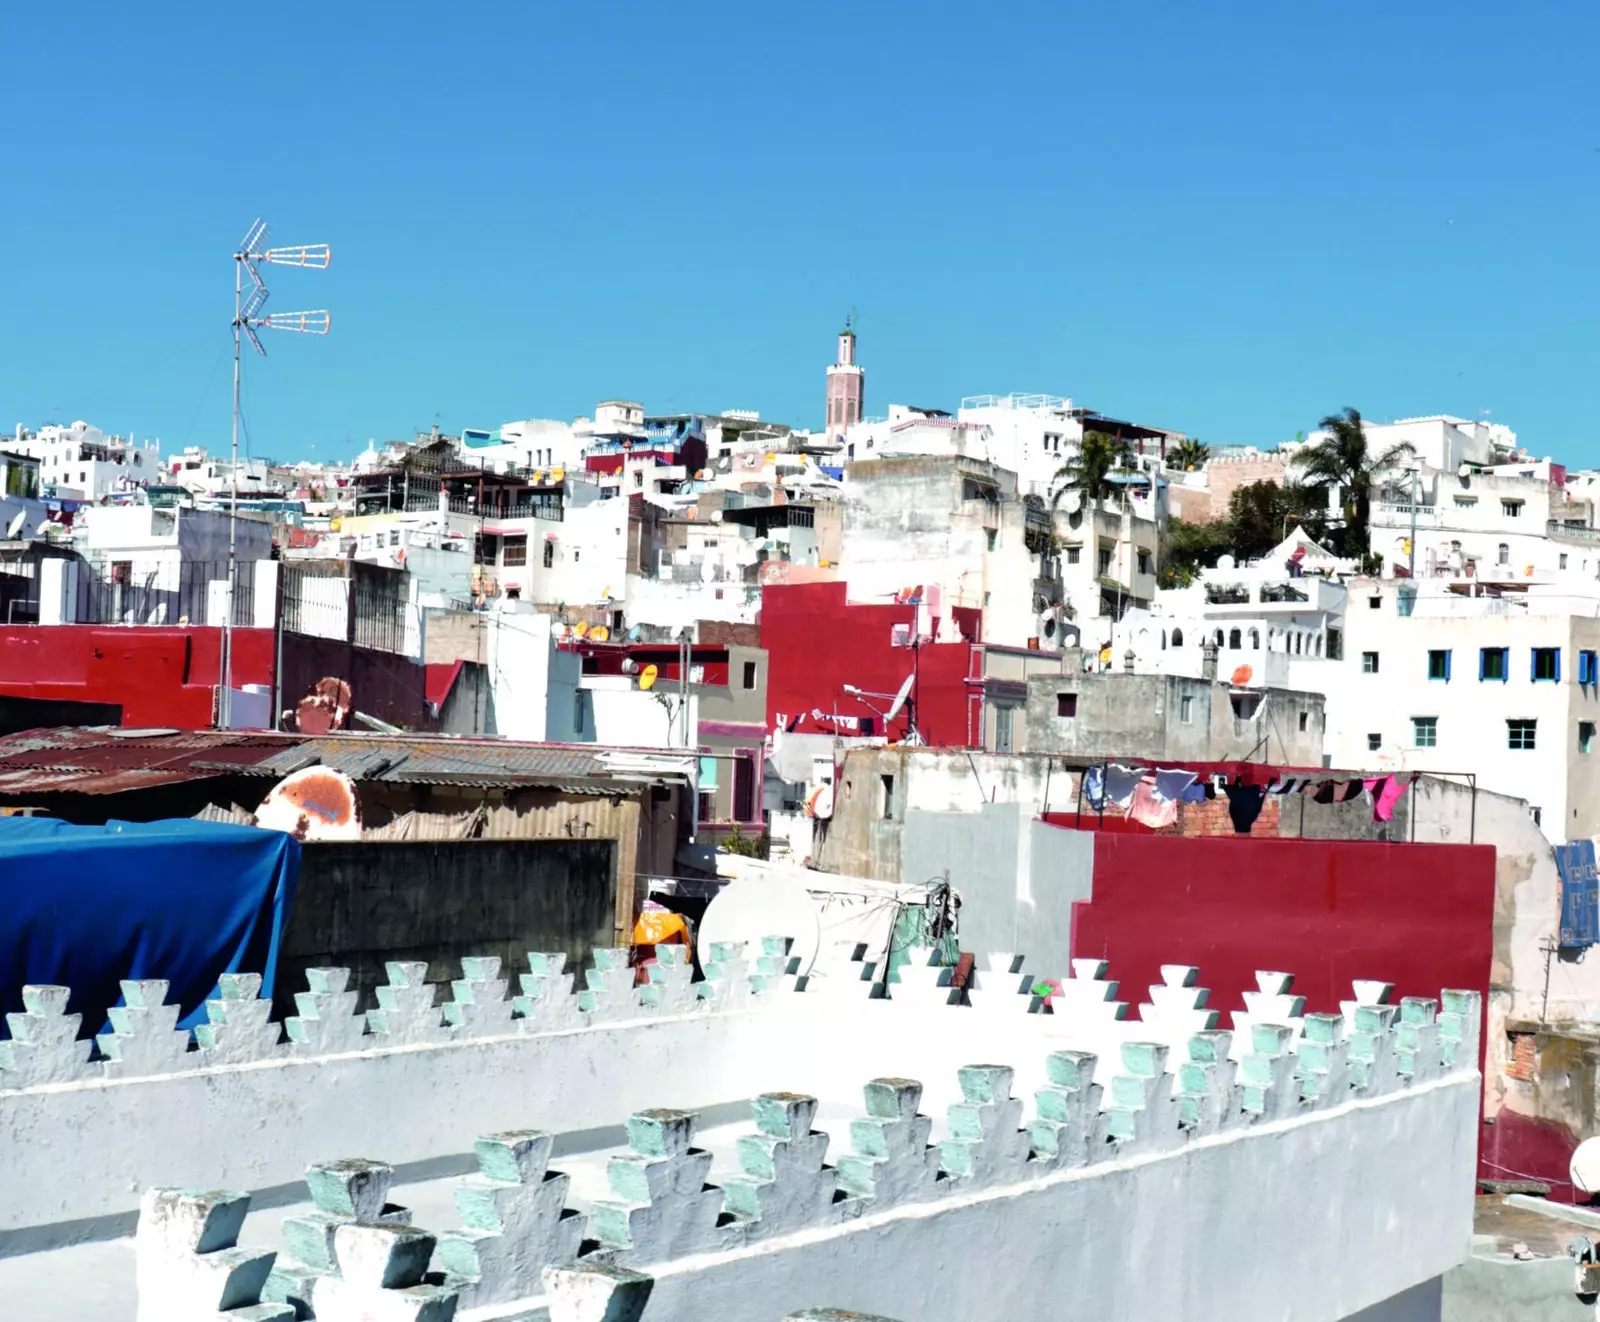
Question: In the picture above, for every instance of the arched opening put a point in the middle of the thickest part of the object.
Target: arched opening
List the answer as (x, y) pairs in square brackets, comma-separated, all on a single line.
[(1255, 640), (1233, 639), (1177, 637)]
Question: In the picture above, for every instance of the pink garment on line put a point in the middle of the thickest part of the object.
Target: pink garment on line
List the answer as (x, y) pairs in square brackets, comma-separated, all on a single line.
[(1386, 796), (1151, 809)]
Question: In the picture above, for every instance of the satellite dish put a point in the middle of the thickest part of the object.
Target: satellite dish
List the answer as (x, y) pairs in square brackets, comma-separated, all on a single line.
[(558, 474), (633, 634), (325, 709), (1241, 676), (647, 677), (599, 634), (15, 529), (1585, 1167), (581, 628), (317, 803), (558, 629), (748, 910), (819, 803), (900, 698), (1225, 561)]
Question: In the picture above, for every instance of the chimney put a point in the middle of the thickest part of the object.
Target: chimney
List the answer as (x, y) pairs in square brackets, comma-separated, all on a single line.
[(1208, 661)]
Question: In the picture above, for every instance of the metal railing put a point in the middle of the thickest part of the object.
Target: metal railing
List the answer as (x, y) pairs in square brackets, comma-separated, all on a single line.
[(161, 592)]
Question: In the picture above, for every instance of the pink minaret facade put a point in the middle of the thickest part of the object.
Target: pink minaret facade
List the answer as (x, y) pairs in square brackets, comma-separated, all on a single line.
[(847, 386)]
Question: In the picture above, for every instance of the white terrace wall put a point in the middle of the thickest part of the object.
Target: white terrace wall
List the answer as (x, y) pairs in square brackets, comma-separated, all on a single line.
[(1197, 1189), (1171, 1168)]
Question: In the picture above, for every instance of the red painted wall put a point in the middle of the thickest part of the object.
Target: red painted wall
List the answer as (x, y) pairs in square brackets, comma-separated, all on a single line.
[(1327, 911), (161, 676), (817, 642)]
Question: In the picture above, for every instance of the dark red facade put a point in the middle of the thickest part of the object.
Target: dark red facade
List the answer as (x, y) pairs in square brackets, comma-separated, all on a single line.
[(817, 642)]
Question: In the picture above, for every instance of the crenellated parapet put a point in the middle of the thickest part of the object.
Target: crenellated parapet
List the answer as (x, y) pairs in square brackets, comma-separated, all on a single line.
[(524, 1241)]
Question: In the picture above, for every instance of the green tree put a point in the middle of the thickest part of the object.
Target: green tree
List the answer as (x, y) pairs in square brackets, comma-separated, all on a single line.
[(1098, 456), (1188, 455), (1343, 460), (1187, 548)]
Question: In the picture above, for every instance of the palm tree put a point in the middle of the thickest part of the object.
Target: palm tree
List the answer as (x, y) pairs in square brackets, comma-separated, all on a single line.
[(1188, 454), (1088, 470), (1343, 460)]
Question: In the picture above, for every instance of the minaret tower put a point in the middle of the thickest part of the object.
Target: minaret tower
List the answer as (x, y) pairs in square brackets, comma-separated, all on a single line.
[(847, 383)]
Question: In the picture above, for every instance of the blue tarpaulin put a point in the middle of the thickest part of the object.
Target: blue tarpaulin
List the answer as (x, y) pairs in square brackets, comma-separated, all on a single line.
[(87, 906), (1580, 894)]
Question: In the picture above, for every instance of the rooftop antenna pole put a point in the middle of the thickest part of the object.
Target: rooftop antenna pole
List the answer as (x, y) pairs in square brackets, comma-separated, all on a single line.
[(247, 319)]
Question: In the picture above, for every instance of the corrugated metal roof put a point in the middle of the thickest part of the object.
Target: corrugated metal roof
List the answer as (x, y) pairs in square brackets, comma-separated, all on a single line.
[(97, 760)]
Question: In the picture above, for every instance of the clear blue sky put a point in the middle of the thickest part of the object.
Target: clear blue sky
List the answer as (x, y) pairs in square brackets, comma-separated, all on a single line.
[(1223, 218)]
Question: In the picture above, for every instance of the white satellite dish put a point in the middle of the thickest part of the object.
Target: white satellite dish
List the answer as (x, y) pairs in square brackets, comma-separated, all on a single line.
[(756, 907), (1584, 1169), (900, 698), (15, 529)]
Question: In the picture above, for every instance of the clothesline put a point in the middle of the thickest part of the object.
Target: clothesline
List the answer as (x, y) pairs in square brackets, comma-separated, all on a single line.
[(1151, 795)]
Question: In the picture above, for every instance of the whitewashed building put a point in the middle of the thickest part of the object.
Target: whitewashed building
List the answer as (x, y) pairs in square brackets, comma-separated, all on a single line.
[(1495, 680), (82, 462)]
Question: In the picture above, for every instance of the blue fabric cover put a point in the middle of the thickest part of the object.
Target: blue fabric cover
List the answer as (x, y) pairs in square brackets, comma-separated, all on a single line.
[(87, 906)]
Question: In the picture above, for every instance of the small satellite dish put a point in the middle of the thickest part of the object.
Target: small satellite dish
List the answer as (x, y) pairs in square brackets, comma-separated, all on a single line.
[(581, 628), (647, 677), (14, 530), (1225, 561), (900, 699), (633, 634), (538, 475), (558, 630), (316, 803), (1584, 1169), (558, 474), (325, 709), (819, 803), (1242, 675), (599, 634)]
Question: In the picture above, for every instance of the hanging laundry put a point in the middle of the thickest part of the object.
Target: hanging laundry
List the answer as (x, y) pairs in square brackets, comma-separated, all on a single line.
[(1350, 789), (1383, 803), (1197, 793), (1094, 787), (1327, 791), (1244, 806), (1173, 784), (1121, 782), (1151, 809)]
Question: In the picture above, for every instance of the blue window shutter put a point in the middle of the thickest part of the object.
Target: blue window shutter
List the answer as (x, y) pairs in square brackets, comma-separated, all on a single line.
[(1505, 665), (1447, 665), (1557, 675), (1483, 662), (1533, 663)]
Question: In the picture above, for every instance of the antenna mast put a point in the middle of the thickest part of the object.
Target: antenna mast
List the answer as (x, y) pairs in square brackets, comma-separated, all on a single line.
[(247, 320)]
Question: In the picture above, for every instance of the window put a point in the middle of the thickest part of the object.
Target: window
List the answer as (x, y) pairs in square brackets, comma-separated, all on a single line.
[(1585, 737), (1466, 502), (749, 674), (1104, 561), (1374, 742), (1255, 640), (1072, 555), (1177, 637), (1538, 816), (514, 551), (1439, 664), (1144, 562), (1512, 509), (575, 555), (549, 555), (1546, 665), (1561, 561), (394, 537), (1369, 663), (990, 536), (1335, 645), (1588, 668), (1186, 709), (1425, 731), (1067, 706), (885, 796), (1233, 639), (1002, 729), (1374, 603), (1494, 663), (1504, 554), (1522, 734), (1304, 719), (578, 699)]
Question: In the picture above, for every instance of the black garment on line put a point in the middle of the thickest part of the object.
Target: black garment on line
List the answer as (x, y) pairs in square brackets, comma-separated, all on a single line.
[(1244, 806)]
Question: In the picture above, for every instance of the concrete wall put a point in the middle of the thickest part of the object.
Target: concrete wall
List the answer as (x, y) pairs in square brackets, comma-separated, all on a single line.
[(1171, 717), (361, 905), (1018, 878)]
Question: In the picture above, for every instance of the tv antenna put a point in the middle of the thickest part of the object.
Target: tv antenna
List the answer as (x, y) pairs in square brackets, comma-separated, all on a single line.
[(249, 316), (897, 702)]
